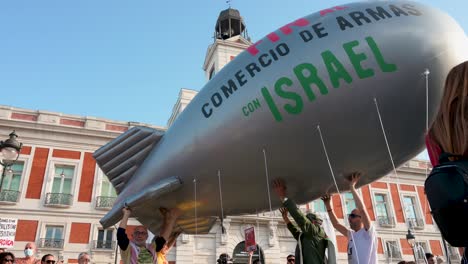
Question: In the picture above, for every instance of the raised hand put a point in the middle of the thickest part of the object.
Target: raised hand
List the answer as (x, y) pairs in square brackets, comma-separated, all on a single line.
[(280, 188), (354, 179)]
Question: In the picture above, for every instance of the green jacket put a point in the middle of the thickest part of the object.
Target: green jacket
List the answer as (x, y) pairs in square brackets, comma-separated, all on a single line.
[(313, 239)]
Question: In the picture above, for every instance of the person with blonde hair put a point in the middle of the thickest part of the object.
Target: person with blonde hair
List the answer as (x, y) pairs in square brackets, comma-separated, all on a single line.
[(447, 140), (449, 131)]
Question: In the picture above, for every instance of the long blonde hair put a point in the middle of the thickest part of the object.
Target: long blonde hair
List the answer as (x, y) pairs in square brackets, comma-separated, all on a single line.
[(450, 128)]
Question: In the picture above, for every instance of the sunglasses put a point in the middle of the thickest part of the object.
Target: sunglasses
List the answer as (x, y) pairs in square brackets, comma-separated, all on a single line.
[(50, 261), (353, 216), (291, 260), (9, 260), (140, 233)]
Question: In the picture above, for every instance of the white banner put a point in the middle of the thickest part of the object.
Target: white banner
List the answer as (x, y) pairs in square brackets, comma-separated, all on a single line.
[(7, 232)]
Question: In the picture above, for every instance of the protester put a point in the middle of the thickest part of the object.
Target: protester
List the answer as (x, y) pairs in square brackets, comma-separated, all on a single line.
[(83, 258), (290, 259), (30, 251), (167, 237), (311, 238), (7, 258), (48, 259), (448, 133), (224, 258), (430, 258), (362, 246), (137, 250)]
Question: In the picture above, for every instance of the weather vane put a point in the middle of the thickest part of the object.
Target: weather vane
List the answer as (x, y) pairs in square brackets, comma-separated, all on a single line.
[(229, 3)]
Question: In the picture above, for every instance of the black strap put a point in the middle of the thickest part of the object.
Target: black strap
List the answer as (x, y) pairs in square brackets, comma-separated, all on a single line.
[(445, 157)]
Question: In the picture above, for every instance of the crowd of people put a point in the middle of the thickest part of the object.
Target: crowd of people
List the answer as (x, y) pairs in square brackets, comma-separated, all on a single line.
[(30, 252)]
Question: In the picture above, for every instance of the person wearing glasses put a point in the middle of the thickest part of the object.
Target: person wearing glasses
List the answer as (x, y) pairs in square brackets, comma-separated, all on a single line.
[(312, 240), (291, 259), (7, 258), (362, 246), (48, 259), (137, 251)]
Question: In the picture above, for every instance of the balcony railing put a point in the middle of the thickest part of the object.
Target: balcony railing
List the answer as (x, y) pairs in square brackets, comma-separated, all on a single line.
[(50, 243), (59, 199), (393, 254), (103, 245), (415, 223), (386, 221), (9, 196), (105, 202)]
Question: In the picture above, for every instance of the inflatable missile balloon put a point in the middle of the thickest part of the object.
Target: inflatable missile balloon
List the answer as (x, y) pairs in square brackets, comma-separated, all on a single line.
[(350, 88)]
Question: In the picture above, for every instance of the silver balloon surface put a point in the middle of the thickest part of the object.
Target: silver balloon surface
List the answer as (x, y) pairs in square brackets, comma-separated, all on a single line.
[(312, 88)]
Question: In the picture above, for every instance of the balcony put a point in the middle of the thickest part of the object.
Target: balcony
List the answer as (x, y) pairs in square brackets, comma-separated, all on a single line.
[(9, 196), (386, 221), (103, 245), (105, 202), (50, 243), (415, 223), (58, 200)]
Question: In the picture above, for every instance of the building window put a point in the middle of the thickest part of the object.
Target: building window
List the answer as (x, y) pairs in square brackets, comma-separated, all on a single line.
[(411, 212), (420, 249), (382, 210), (349, 202), (318, 206), (63, 177), (53, 237), (105, 239), (392, 250), (108, 194), (106, 188), (453, 253), (11, 183), (61, 194)]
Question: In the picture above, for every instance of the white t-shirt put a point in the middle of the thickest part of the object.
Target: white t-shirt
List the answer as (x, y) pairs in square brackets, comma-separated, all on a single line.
[(366, 245)]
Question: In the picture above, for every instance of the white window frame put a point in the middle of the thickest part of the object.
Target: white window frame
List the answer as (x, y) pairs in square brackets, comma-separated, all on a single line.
[(312, 206), (96, 228), (98, 183), (342, 197), (384, 246), (417, 209), (50, 174), (43, 231), (390, 208), (425, 249), (345, 214), (62, 178), (24, 176)]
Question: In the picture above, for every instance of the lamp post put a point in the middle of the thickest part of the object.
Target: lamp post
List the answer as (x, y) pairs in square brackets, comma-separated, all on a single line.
[(412, 241), (9, 153)]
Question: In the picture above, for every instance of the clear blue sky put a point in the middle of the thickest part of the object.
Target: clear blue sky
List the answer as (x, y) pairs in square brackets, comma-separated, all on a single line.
[(126, 60)]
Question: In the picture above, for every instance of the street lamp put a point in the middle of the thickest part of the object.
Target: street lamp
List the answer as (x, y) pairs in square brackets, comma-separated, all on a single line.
[(9, 153), (412, 241)]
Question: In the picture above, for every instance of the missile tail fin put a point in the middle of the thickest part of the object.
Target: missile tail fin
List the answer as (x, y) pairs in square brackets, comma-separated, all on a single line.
[(120, 158)]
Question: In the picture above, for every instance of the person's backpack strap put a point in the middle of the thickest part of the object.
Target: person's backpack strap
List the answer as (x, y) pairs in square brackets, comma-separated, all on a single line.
[(445, 157)]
